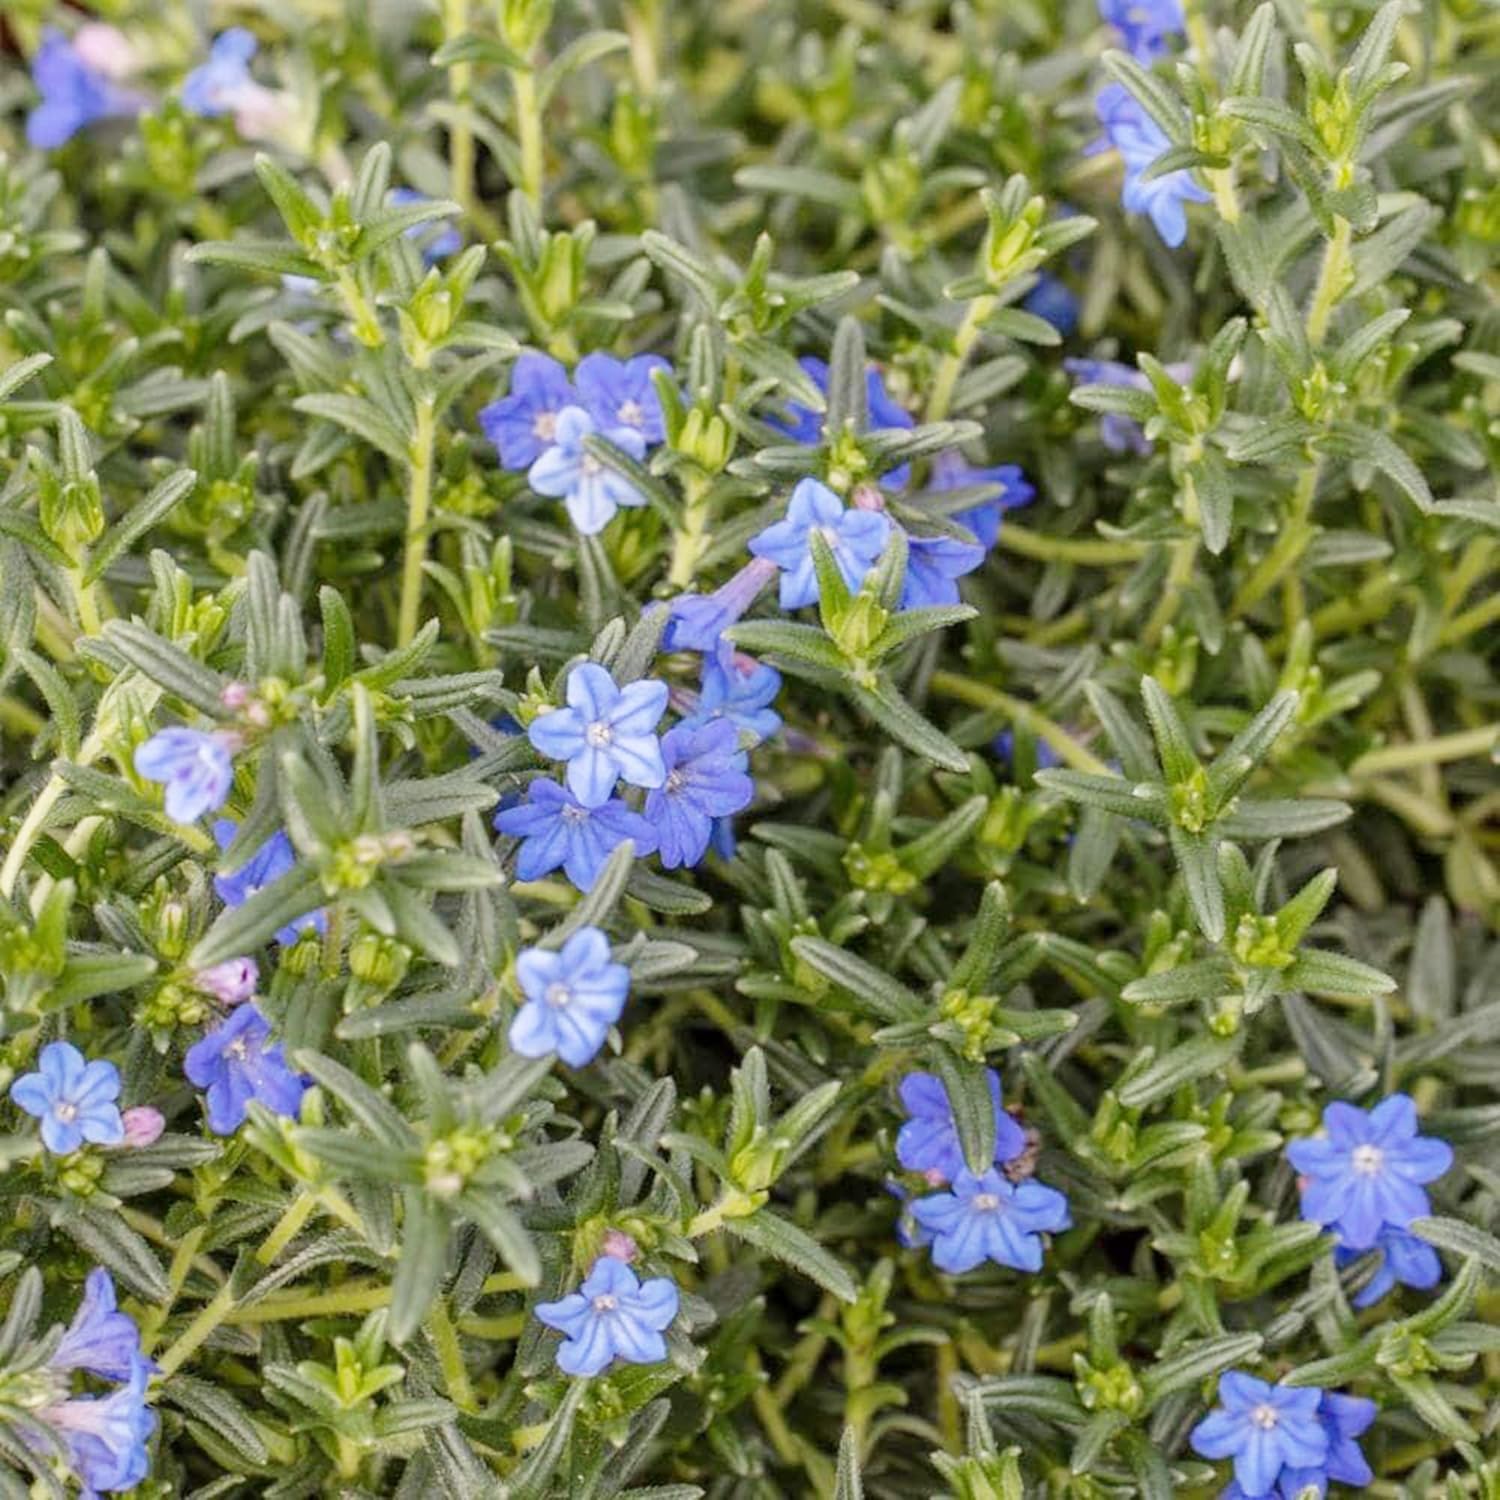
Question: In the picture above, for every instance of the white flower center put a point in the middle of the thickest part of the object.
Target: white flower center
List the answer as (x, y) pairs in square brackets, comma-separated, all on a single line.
[(545, 426), (605, 1303), (986, 1202), (237, 1049), (1265, 1416), (599, 734), (675, 780), (1367, 1160), (571, 814), (588, 466), (631, 413), (65, 1110), (558, 995)]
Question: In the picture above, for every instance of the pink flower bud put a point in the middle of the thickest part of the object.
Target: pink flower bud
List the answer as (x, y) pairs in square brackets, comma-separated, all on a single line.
[(143, 1126), (106, 50), (934, 1178), (235, 695), (259, 113), (230, 982), (867, 497), (619, 1245)]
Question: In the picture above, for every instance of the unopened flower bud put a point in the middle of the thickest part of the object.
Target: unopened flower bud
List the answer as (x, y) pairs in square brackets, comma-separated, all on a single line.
[(229, 982), (143, 1126), (619, 1245)]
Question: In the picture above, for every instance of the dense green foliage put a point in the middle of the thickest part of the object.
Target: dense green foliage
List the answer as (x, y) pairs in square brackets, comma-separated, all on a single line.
[(1237, 856)]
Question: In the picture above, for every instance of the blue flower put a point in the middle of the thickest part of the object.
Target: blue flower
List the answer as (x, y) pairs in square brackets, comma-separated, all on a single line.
[(567, 471), (620, 393), (1344, 1419), (706, 779), (1144, 25), (1264, 1429), (73, 1098), (573, 997), (613, 1315), (928, 1141), (737, 688), (856, 538), (991, 1218), (438, 238), (74, 93), (951, 471), (1403, 1258), (1367, 1173), (523, 425), (1140, 140), (934, 564), (197, 767), (1051, 300), (1119, 433), (106, 1436), (696, 621), (267, 865), (804, 425), (218, 86), (605, 733), (235, 1064), (100, 1339), (556, 829)]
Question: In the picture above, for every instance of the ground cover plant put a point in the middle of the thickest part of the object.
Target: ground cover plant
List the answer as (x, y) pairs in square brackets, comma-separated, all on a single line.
[(748, 749)]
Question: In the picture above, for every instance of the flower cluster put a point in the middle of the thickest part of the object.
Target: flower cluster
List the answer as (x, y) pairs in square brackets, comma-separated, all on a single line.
[(979, 1217), (543, 424), (1364, 1181), (1285, 1440), (104, 1437), (81, 82), (694, 776), (857, 534)]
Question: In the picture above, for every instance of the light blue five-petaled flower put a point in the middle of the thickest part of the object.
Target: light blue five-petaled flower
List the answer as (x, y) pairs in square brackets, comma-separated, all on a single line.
[(591, 491), (606, 733), (573, 997), (195, 765), (991, 1218), (706, 780), (1367, 1173), (1266, 1430), (75, 1099), (557, 830), (855, 537), (613, 1315)]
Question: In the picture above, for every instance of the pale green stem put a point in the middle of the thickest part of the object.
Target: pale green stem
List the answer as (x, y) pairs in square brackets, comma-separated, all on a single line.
[(953, 362), (450, 1356), (1438, 751), (1333, 280), (1289, 546), (191, 1339), (1087, 551), (529, 133), (981, 695), (418, 501)]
